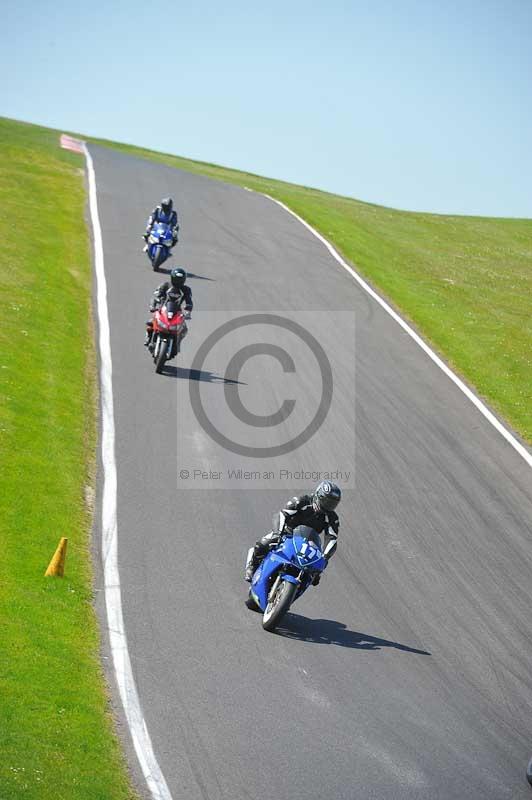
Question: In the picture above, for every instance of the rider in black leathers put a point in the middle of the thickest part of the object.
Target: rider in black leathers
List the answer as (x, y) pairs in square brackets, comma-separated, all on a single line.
[(176, 290), (315, 511)]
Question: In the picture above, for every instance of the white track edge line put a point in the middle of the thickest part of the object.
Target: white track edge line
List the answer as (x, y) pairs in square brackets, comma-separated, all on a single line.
[(484, 410), (113, 599)]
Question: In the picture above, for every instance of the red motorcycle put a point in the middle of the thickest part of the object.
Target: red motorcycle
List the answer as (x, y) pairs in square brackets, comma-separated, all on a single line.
[(167, 328)]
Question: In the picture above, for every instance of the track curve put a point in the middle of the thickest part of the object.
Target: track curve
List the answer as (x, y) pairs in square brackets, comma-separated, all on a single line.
[(406, 674)]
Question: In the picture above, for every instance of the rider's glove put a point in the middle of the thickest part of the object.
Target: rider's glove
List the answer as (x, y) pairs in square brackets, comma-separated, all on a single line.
[(187, 315)]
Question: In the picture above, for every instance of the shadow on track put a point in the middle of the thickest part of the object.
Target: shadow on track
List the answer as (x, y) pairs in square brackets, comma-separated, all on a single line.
[(167, 271), (198, 375), (326, 631), (200, 277)]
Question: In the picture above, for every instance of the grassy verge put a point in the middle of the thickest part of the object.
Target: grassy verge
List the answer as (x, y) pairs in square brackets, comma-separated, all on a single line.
[(465, 282), (56, 733)]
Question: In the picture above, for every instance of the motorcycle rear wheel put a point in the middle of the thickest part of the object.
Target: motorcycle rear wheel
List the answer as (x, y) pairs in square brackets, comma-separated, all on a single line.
[(278, 605)]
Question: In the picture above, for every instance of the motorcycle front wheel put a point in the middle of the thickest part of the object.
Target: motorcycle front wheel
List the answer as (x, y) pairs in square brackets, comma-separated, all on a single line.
[(161, 356), (278, 604), (158, 257)]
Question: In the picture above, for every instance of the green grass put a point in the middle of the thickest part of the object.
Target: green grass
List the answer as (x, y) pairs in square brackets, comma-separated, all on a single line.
[(465, 282), (56, 731)]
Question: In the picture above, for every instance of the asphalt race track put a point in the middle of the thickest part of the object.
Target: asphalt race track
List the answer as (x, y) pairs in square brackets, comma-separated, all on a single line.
[(407, 673)]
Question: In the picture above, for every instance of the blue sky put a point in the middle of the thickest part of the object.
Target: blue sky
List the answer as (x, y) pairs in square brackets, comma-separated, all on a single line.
[(415, 104)]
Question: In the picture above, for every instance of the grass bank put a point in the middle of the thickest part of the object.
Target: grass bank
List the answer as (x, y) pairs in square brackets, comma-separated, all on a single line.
[(465, 282), (56, 733)]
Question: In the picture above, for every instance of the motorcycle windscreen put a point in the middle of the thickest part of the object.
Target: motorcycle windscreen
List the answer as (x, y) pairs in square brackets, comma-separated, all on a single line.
[(172, 308), (306, 532), (164, 233), (306, 544)]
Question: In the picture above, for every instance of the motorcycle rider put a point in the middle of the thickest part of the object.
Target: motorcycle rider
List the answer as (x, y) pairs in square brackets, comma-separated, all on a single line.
[(164, 212), (315, 511), (177, 290)]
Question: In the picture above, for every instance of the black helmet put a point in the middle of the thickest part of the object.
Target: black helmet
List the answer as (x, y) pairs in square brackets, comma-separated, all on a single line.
[(167, 204), (178, 277), (326, 496)]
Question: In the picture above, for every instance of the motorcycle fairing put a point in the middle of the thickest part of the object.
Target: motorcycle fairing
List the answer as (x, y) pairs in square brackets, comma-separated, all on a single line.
[(295, 550), (169, 320), (266, 572), (160, 238), (161, 231), (302, 552)]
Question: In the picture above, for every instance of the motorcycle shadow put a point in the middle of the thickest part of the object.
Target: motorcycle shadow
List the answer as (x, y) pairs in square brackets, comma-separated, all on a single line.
[(327, 631), (193, 275), (183, 373), (200, 277)]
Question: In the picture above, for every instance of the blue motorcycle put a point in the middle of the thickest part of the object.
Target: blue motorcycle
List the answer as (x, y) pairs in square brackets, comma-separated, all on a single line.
[(160, 242), (284, 574)]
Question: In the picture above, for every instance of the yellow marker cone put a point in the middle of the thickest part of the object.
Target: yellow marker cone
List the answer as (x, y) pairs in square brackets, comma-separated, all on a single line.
[(57, 564)]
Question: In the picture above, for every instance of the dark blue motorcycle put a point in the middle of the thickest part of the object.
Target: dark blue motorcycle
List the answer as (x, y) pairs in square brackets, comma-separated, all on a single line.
[(284, 574), (160, 242)]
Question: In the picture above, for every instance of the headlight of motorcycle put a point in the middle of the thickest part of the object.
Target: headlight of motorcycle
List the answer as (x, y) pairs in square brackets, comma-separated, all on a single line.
[(153, 239), (162, 324)]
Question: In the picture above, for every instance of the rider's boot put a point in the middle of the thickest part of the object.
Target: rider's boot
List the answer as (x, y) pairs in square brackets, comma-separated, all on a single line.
[(252, 562), (149, 334), (257, 553)]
